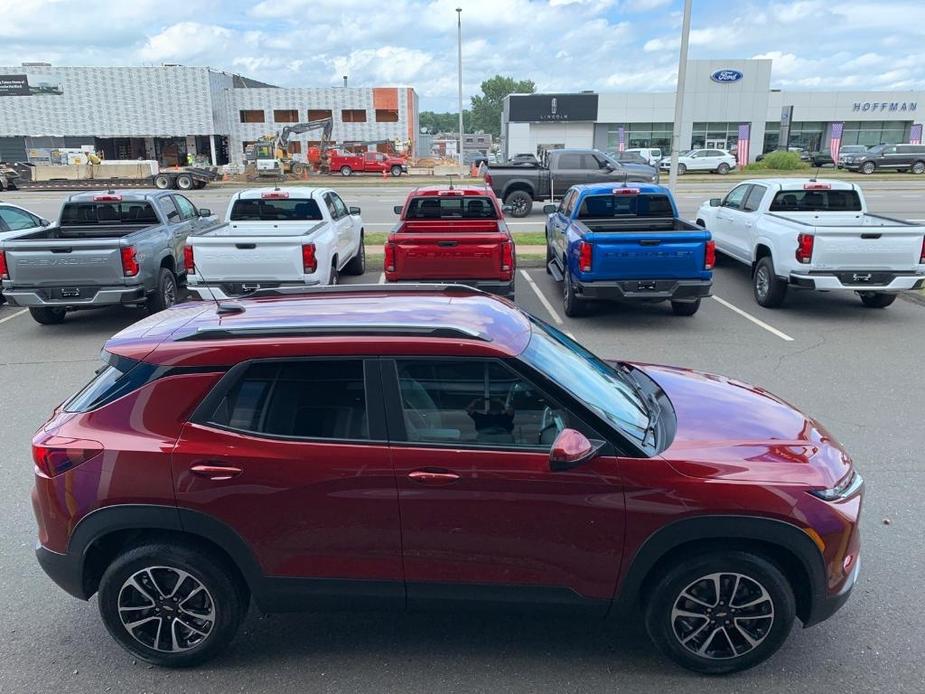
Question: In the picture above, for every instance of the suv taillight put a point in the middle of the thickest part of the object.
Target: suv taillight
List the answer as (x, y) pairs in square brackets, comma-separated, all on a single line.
[(189, 260), (389, 257), (309, 262), (584, 256), (804, 253), (4, 272), (507, 256), (709, 255), (57, 454), (129, 261)]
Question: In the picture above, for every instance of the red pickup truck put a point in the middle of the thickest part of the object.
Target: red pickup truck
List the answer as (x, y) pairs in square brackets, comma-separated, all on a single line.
[(368, 162), (452, 234)]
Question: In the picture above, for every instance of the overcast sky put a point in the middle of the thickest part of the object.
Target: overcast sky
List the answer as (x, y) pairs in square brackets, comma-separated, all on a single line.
[(563, 45)]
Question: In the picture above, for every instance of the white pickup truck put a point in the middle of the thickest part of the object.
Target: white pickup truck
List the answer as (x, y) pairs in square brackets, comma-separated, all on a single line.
[(275, 237), (811, 234)]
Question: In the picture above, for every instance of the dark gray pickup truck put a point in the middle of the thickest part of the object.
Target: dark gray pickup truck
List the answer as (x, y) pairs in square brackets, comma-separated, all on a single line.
[(518, 185), (116, 247)]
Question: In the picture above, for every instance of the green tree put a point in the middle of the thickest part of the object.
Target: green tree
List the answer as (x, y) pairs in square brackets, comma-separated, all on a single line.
[(486, 108), (444, 122)]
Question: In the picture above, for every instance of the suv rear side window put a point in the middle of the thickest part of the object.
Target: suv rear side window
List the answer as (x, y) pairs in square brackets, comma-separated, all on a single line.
[(120, 377), (816, 201), (458, 207), (312, 399), (276, 211)]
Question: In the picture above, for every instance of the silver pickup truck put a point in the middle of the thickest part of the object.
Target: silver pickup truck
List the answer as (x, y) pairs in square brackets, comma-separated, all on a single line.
[(116, 247)]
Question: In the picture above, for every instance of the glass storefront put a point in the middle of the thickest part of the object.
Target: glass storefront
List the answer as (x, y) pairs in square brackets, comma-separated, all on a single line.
[(639, 135), (878, 132), (803, 134), (715, 136), (809, 134)]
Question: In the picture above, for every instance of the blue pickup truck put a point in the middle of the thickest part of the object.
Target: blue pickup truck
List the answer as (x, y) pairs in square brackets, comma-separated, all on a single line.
[(609, 241)]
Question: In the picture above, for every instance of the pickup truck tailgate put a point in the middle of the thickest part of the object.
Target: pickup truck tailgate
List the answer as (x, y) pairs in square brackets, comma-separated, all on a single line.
[(65, 262), (867, 248), (649, 255), (442, 250)]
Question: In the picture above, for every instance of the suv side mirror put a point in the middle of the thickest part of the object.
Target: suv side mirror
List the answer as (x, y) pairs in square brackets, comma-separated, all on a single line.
[(716, 202), (355, 210), (397, 209), (570, 449), (205, 212), (550, 209)]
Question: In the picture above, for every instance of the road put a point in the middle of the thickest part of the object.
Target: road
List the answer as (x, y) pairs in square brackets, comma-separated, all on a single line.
[(903, 198), (858, 370)]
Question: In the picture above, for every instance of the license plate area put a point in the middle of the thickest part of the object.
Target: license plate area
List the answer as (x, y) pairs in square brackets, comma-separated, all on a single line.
[(70, 292), (645, 286)]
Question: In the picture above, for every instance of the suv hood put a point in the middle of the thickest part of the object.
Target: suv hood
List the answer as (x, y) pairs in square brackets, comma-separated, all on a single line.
[(727, 429)]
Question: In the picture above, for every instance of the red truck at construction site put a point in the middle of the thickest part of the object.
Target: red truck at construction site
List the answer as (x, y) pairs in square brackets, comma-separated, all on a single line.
[(367, 162), (453, 235)]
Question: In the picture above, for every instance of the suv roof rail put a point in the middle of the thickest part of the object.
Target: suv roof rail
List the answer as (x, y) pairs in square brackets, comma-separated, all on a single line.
[(333, 330), (210, 292)]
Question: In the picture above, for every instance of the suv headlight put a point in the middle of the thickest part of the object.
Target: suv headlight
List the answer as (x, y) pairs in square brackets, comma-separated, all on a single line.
[(846, 488)]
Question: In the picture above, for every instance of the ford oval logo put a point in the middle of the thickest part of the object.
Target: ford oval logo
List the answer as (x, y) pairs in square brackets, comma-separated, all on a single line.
[(726, 76)]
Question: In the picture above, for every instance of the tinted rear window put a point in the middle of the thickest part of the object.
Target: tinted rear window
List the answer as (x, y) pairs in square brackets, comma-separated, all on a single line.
[(604, 206), (120, 377), (104, 213), (461, 207), (816, 201), (291, 210)]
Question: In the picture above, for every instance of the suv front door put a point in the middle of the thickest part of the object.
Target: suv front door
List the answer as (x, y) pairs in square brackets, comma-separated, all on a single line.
[(483, 516)]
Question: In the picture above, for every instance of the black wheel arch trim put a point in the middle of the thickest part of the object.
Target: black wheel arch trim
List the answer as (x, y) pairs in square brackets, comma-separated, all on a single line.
[(781, 534)]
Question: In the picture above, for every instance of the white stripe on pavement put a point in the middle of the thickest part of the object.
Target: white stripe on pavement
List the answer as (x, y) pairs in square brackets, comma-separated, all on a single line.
[(756, 321), (543, 299), (11, 317), (381, 278)]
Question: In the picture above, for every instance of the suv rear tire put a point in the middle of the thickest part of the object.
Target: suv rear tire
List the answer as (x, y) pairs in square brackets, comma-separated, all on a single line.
[(769, 291), (722, 169), (876, 299), (165, 294), (741, 612), (186, 597), (48, 315)]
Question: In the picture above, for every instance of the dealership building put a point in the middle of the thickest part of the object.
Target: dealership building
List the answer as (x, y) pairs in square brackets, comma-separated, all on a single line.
[(719, 97), (172, 111)]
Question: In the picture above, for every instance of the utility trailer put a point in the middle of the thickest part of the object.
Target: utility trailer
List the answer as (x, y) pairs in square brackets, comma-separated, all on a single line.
[(26, 176)]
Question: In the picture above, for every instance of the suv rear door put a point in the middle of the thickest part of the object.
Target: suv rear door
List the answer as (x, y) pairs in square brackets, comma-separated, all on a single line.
[(291, 455)]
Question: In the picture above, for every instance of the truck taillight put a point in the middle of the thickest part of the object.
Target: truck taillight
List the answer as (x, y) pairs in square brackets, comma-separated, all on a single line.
[(804, 252), (709, 255), (189, 259), (584, 256), (4, 272), (488, 180), (309, 261), (56, 455), (507, 256), (129, 261), (921, 258), (389, 257)]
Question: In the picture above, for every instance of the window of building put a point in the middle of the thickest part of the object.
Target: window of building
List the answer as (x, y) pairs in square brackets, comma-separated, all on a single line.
[(295, 147), (384, 115), (319, 113), (353, 115), (286, 115), (254, 116), (871, 133), (771, 136), (637, 135), (724, 136), (247, 144), (316, 399)]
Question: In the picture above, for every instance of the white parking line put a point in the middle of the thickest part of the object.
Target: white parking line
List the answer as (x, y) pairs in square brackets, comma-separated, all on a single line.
[(381, 278), (543, 299), (13, 315), (756, 321)]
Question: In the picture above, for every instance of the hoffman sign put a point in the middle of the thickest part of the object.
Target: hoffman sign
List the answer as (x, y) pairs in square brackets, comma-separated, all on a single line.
[(884, 106)]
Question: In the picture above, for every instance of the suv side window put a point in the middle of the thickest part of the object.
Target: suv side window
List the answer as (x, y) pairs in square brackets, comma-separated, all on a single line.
[(187, 209), (476, 402), (736, 197), (753, 201), (311, 399)]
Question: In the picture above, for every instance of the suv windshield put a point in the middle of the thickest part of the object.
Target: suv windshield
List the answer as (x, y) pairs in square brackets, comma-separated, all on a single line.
[(602, 388)]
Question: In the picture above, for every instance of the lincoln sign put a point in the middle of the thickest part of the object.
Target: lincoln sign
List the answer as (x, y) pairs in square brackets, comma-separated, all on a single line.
[(531, 108)]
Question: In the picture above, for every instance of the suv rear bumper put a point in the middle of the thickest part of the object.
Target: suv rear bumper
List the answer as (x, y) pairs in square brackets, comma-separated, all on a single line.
[(63, 569), (497, 287), (51, 296), (642, 289), (879, 281)]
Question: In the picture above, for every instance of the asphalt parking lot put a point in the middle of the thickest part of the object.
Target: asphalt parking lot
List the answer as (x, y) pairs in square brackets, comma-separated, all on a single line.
[(858, 370)]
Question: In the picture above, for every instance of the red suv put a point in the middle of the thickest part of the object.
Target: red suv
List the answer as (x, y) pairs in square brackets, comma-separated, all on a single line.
[(406, 446)]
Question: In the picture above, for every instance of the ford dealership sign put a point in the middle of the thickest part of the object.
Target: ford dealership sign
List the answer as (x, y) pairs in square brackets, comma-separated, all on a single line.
[(724, 76)]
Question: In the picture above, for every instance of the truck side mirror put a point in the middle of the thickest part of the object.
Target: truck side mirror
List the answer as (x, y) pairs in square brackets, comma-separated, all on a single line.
[(397, 209), (355, 211), (716, 202), (44, 222), (205, 212), (550, 209)]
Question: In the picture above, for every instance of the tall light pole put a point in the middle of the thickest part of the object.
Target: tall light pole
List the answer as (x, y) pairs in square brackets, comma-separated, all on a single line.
[(679, 98), (459, 42)]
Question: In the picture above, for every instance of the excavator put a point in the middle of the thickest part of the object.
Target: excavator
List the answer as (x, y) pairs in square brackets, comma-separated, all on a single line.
[(272, 151)]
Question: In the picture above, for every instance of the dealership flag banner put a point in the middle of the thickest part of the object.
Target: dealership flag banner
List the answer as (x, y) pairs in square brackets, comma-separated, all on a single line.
[(835, 141), (915, 134), (742, 146), (621, 143)]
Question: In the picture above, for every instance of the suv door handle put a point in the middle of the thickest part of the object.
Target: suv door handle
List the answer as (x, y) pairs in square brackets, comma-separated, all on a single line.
[(216, 472), (433, 478)]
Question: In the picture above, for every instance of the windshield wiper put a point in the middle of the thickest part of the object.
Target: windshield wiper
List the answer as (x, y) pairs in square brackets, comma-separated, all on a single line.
[(648, 399)]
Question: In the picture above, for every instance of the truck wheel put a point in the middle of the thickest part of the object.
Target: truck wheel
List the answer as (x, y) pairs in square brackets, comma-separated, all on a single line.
[(162, 182), (521, 203), (876, 299), (165, 295), (573, 306), (722, 169), (868, 167), (48, 315), (682, 169), (345, 171), (333, 277), (357, 264), (769, 290), (185, 182), (396, 171), (918, 168), (685, 308), (298, 169)]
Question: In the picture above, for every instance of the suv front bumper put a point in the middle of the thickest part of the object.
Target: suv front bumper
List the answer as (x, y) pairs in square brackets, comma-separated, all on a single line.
[(641, 290)]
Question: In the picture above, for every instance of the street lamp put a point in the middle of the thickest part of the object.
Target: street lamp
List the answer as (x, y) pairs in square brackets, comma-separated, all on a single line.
[(459, 42), (679, 98)]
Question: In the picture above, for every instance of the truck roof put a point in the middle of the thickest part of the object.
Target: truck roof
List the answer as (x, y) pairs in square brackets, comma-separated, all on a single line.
[(609, 187), (127, 195), (464, 189), (800, 183), (287, 191)]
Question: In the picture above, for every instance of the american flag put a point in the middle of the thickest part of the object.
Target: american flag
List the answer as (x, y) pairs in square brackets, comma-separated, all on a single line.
[(835, 142), (742, 146), (622, 142), (915, 134)]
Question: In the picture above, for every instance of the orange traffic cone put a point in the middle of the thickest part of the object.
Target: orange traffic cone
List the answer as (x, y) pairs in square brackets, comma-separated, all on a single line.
[(473, 172), (385, 174)]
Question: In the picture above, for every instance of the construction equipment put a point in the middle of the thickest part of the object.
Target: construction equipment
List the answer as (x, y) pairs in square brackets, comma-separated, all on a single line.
[(271, 152)]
